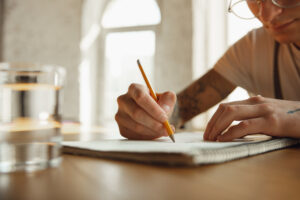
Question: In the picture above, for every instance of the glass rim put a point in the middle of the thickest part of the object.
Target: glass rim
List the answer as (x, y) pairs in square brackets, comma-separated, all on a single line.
[(32, 68)]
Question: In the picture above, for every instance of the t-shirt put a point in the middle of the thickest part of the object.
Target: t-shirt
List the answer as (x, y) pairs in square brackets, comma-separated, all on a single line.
[(249, 64)]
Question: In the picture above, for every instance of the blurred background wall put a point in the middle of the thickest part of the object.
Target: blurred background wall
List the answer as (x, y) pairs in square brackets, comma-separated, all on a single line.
[(46, 32), (1, 25)]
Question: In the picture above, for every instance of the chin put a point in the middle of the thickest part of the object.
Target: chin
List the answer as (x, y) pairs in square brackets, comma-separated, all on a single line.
[(285, 38), (286, 35)]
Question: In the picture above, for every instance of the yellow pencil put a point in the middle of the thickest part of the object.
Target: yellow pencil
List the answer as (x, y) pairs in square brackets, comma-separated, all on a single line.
[(153, 95)]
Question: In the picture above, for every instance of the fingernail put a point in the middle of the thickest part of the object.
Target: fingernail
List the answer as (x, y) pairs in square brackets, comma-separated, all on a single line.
[(166, 108), (173, 128)]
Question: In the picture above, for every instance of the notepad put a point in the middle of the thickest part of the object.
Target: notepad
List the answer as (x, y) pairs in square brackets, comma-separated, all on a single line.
[(189, 149)]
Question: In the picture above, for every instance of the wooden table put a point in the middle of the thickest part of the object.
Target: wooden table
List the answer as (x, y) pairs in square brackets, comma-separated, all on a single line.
[(274, 175)]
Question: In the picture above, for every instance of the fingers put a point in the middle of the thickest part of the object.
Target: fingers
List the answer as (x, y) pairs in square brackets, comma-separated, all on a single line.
[(227, 113), (250, 101), (246, 127), (128, 133), (135, 113), (139, 116), (212, 121), (167, 102), (234, 113), (140, 95), (133, 130)]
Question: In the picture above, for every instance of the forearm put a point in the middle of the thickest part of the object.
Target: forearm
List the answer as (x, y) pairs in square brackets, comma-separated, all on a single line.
[(201, 95)]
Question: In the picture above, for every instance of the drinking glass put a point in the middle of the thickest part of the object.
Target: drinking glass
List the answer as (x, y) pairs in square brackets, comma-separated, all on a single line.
[(30, 116)]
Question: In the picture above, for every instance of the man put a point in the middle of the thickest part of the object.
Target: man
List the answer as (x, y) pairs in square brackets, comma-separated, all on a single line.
[(265, 62)]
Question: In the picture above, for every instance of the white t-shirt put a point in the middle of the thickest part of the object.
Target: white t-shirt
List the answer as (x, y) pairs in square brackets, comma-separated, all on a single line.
[(249, 64)]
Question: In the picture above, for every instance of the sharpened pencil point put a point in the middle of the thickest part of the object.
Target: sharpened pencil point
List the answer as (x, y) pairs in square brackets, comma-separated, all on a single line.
[(172, 138)]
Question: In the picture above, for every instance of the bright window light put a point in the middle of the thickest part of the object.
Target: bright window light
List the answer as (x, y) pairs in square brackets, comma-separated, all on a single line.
[(237, 27), (121, 52), (126, 13)]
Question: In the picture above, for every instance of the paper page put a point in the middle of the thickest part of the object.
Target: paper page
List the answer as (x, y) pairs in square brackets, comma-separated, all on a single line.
[(185, 142)]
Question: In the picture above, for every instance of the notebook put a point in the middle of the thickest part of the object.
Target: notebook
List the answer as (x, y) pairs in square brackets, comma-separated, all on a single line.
[(189, 149)]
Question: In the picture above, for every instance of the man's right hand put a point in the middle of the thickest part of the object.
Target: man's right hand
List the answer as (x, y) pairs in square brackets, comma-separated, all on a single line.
[(140, 117)]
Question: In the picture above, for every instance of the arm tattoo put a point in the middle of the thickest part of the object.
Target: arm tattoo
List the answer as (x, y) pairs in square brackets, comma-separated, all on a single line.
[(201, 95), (175, 117), (293, 111)]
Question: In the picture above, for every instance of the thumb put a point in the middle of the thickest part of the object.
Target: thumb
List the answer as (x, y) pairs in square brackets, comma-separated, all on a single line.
[(167, 102)]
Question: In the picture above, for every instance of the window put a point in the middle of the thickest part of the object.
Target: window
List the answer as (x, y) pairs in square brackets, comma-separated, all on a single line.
[(129, 13), (129, 33)]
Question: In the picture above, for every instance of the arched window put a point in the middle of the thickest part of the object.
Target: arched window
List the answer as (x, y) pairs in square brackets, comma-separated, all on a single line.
[(129, 33)]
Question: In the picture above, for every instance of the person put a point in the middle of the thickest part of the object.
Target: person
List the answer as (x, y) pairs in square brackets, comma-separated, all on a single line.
[(266, 62)]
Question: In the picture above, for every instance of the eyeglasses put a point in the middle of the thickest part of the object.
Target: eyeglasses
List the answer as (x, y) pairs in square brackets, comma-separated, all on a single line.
[(240, 8)]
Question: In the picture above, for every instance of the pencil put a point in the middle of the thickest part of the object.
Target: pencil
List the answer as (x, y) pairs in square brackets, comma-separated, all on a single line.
[(153, 95)]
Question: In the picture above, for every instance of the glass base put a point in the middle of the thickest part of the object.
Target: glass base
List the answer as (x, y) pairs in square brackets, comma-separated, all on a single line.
[(29, 156)]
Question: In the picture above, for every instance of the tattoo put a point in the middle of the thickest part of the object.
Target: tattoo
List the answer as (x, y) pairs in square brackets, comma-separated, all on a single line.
[(293, 111), (202, 95), (175, 118)]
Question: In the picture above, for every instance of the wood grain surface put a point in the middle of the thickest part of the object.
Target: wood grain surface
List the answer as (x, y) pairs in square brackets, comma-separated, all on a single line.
[(274, 175)]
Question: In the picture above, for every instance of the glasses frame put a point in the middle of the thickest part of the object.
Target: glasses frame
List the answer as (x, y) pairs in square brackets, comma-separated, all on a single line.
[(258, 2)]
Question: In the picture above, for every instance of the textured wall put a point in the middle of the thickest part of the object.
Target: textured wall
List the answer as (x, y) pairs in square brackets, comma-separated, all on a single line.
[(1, 26), (46, 31)]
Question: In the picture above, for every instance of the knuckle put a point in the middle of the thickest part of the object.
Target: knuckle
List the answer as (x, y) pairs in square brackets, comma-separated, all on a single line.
[(267, 108), (229, 109), (132, 87), (222, 107), (257, 99), (120, 99), (117, 117), (139, 95), (137, 92), (245, 124), (170, 95)]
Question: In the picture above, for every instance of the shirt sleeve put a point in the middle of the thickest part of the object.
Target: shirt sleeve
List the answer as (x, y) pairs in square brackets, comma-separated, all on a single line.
[(235, 64)]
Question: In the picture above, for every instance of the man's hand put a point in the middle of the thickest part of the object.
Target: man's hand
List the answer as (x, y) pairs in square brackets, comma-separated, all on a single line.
[(140, 117), (272, 117)]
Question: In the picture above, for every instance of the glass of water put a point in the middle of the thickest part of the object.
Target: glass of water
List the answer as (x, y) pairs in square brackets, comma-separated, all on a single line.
[(30, 116)]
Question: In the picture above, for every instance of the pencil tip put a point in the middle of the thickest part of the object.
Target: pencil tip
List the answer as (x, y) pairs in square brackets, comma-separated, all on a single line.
[(138, 61), (172, 138)]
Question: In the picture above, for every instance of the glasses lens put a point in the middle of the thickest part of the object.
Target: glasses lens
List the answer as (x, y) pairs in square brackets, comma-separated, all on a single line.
[(287, 3), (241, 9)]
